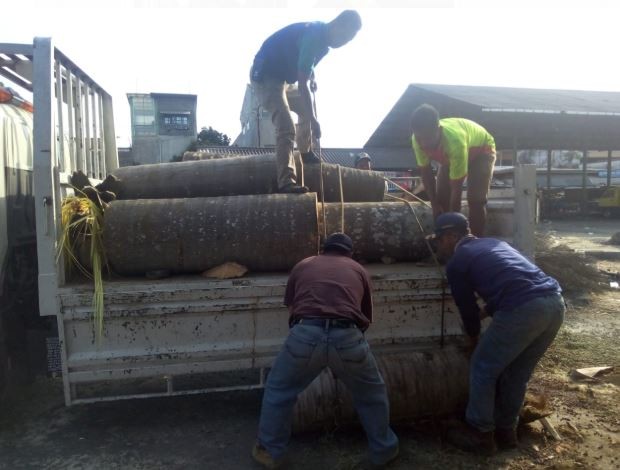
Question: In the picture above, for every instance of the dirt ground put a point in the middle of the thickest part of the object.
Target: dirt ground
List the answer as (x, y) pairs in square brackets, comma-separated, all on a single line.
[(218, 430)]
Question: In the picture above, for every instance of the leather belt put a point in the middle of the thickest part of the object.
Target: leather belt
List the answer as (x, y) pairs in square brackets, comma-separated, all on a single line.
[(326, 322)]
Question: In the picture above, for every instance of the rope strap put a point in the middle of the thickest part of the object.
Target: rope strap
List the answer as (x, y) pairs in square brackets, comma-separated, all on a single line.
[(437, 265)]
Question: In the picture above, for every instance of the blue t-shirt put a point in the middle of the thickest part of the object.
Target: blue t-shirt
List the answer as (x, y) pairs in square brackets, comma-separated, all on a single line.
[(498, 273), (293, 50)]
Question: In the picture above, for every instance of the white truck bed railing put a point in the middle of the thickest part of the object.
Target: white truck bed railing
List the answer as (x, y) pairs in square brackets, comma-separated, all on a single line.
[(73, 130)]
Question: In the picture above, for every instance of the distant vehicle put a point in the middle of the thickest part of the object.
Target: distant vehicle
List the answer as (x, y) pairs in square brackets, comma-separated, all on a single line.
[(609, 203), (561, 192)]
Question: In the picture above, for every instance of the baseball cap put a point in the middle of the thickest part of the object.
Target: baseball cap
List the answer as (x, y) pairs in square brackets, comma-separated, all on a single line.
[(339, 240), (451, 221), (361, 156)]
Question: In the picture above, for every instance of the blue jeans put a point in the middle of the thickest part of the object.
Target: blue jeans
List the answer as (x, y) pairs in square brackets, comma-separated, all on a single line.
[(505, 358), (306, 352)]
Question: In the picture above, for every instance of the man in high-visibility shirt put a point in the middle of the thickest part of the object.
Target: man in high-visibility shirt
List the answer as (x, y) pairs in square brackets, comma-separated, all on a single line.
[(463, 149)]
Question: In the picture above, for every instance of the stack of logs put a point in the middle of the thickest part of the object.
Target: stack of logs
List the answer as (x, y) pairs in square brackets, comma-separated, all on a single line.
[(191, 216)]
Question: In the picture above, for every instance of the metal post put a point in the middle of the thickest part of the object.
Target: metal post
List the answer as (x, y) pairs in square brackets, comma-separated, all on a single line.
[(608, 168), (79, 127), (515, 161), (101, 137), (62, 161), (43, 82), (584, 174), (71, 121), (549, 168), (97, 170), (87, 142), (525, 209), (109, 136), (258, 124)]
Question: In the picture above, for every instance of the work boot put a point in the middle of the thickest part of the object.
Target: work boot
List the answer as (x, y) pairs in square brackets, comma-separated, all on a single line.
[(368, 464), (293, 189), (506, 438), (470, 439), (260, 455), (310, 158)]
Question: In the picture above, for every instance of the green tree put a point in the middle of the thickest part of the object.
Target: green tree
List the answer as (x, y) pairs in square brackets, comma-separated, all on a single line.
[(209, 136)]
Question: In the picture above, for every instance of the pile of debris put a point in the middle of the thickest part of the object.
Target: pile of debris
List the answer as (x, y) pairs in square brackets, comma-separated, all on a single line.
[(575, 272)]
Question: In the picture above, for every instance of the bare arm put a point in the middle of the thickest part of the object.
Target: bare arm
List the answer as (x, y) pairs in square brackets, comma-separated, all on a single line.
[(456, 194), (431, 188)]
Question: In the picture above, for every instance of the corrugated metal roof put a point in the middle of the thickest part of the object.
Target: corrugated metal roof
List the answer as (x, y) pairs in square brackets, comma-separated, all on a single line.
[(382, 159), (533, 118), (531, 99)]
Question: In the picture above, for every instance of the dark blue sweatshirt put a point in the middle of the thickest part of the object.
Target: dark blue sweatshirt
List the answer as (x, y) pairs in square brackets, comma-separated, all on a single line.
[(498, 273), (292, 51)]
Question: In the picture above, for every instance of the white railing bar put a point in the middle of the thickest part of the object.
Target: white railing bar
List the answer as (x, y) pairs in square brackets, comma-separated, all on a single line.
[(86, 127), (79, 116), (102, 155), (60, 155), (71, 121), (95, 146)]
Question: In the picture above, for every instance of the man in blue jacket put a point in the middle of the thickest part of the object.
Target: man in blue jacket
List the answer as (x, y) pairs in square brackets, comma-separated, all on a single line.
[(527, 309), (289, 56)]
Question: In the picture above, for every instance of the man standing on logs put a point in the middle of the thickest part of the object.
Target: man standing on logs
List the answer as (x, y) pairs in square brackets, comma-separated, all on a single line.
[(330, 304), (527, 309), (463, 149), (286, 57)]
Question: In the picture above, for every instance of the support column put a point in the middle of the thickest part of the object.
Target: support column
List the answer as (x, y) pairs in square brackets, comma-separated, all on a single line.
[(549, 152), (609, 168), (584, 189), (515, 159), (525, 209)]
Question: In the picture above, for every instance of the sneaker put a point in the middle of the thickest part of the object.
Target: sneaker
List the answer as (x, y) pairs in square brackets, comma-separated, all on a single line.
[(470, 439), (506, 438), (293, 189), (261, 456), (310, 158)]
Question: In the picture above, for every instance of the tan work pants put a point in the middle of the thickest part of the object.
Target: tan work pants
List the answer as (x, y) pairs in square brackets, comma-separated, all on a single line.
[(272, 96), (479, 177)]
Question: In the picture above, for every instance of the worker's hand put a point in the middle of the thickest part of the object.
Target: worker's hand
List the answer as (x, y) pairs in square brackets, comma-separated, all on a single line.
[(316, 128), (313, 87)]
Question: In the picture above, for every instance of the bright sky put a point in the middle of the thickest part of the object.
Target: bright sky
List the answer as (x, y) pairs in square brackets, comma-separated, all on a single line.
[(181, 46)]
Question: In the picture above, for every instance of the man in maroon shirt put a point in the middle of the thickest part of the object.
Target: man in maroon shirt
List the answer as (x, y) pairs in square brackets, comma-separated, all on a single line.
[(330, 304)]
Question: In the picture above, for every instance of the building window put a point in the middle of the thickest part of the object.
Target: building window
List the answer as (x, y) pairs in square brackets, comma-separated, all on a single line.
[(178, 122), (143, 115)]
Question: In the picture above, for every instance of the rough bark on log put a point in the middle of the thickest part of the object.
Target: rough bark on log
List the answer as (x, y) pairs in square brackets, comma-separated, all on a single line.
[(419, 384), (382, 229), (240, 176), (263, 233)]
